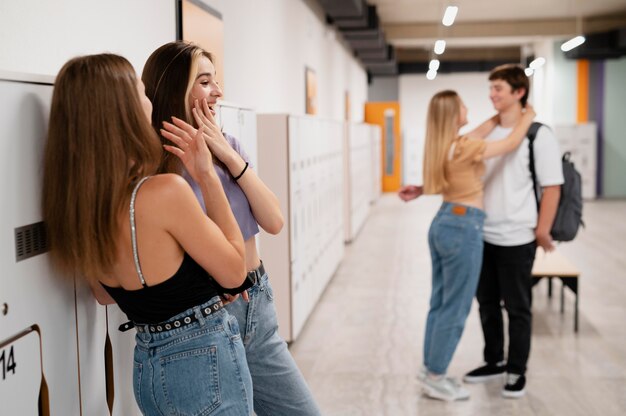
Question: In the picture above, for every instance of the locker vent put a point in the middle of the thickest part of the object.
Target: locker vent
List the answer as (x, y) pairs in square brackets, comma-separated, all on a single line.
[(30, 240)]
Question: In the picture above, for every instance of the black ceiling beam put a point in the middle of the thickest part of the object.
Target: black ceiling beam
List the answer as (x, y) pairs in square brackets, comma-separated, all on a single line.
[(446, 67), (605, 45), (367, 22), (385, 53), (383, 68), (338, 9)]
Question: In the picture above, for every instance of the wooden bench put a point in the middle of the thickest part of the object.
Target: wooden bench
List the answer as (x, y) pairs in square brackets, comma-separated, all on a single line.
[(556, 265)]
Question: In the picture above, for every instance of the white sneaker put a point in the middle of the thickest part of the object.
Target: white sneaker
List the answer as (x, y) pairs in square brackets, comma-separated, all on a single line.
[(444, 388), (422, 373)]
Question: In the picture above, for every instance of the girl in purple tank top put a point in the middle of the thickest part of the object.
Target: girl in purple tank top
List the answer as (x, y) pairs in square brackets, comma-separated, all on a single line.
[(180, 81)]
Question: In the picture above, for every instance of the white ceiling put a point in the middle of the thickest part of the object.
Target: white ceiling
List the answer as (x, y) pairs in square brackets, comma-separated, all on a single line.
[(417, 23), (412, 11)]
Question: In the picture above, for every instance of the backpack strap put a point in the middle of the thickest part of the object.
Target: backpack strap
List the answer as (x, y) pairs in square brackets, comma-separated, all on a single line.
[(532, 134)]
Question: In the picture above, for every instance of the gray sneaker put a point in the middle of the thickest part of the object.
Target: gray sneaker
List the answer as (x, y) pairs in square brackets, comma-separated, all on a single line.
[(444, 388)]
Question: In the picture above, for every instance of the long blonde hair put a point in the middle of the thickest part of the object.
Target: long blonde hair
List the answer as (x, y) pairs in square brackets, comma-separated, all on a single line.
[(441, 129), (169, 75), (100, 143)]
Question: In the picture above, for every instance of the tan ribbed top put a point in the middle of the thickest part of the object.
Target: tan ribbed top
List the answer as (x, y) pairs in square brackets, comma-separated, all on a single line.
[(464, 169)]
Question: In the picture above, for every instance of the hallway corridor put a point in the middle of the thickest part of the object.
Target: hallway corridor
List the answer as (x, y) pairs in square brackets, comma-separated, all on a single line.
[(362, 346)]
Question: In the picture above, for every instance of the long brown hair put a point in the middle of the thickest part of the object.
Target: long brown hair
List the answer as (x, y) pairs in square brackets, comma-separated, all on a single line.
[(99, 143), (168, 75), (442, 126)]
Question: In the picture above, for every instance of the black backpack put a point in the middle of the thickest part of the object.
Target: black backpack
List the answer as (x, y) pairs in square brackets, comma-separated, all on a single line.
[(570, 211)]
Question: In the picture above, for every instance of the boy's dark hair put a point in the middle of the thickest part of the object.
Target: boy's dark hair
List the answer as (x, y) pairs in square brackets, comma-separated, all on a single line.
[(515, 76)]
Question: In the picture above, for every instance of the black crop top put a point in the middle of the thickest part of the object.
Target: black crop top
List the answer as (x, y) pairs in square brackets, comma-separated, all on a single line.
[(191, 285)]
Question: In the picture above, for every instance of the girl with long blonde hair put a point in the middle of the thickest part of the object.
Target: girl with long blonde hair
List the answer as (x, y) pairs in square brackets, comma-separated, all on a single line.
[(180, 80)]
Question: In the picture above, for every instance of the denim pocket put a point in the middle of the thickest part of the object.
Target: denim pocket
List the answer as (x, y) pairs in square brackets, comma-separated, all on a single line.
[(449, 237), (233, 328), (137, 373), (190, 381), (269, 292)]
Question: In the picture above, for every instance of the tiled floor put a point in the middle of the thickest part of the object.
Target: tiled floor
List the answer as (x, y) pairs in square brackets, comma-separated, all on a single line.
[(361, 348)]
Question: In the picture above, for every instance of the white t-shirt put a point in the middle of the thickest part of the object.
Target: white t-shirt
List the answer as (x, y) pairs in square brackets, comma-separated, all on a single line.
[(509, 200)]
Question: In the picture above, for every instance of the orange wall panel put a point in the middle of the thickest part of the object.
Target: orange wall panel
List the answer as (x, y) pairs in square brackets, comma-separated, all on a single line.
[(582, 113), (376, 113)]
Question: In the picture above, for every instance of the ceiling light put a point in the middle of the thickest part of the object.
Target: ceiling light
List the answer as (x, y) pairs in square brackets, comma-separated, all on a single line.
[(440, 46), (529, 71), (431, 74), (537, 63), (449, 15), (434, 64), (572, 43)]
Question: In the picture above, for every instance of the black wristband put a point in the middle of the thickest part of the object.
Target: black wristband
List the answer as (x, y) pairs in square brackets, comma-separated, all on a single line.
[(242, 172), (247, 284)]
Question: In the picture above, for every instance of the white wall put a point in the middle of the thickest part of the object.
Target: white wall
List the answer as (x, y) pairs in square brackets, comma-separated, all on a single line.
[(415, 93), (267, 45), (565, 84), (40, 36), (542, 86)]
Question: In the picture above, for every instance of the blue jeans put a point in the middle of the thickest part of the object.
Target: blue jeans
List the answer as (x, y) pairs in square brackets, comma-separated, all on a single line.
[(279, 388), (197, 369), (456, 248)]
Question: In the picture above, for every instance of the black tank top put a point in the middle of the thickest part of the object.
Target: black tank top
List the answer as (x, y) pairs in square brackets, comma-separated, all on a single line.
[(191, 285)]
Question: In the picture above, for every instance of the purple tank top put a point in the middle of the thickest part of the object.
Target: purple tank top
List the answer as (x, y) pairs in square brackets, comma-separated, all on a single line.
[(236, 198)]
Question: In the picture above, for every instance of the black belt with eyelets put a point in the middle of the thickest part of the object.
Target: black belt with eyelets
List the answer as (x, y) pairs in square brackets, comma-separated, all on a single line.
[(169, 325)]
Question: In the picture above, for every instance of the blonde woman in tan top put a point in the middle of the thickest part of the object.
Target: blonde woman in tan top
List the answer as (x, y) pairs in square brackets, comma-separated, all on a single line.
[(453, 166)]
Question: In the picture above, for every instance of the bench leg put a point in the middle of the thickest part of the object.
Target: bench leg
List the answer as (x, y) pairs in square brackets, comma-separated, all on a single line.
[(572, 283), (549, 287), (575, 284), (562, 297)]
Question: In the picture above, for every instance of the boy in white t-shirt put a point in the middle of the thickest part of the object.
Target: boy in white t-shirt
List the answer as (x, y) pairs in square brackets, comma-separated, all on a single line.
[(512, 231)]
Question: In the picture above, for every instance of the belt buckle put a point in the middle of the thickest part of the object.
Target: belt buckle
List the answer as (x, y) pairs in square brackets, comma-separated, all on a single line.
[(253, 277)]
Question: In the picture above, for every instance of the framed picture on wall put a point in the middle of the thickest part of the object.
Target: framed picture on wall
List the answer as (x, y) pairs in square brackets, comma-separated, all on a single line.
[(202, 25), (310, 85)]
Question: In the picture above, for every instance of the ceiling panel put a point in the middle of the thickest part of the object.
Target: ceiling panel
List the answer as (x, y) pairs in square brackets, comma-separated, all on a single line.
[(403, 11)]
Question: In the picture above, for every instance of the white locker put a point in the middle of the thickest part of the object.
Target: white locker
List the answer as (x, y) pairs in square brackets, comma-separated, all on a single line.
[(32, 295), (240, 122), (377, 173), (301, 160), (581, 141), (359, 177)]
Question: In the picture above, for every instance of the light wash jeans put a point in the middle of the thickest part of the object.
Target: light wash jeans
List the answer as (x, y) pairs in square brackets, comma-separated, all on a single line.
[(456, 249), (279, 388), (197, 369)]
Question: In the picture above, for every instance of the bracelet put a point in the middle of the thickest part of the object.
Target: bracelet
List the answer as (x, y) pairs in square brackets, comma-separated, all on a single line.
[(242, 172)]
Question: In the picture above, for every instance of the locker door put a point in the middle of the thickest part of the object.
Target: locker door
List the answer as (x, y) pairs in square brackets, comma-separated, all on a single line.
[(33, 292), (21, 374)]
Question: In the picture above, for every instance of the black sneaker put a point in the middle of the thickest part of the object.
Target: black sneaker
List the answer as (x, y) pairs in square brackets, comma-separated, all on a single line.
[(485, 373), (514, 387)]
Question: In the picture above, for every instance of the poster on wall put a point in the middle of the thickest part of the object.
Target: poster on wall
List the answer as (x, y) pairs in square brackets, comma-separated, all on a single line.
[(202, 25), (310, 83)]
